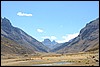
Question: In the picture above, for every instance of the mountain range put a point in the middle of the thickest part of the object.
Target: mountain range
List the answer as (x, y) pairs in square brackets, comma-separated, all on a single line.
[(16, 41), (51, 44)]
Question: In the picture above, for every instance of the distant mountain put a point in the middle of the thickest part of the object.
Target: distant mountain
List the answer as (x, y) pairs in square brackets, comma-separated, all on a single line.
[(54, 42), (48, 43), (57, 46), (17, 37), (87, 40)]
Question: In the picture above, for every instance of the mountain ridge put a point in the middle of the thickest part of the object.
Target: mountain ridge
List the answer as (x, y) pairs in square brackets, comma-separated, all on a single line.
[(47, 42), (20, 37), (87, 39)]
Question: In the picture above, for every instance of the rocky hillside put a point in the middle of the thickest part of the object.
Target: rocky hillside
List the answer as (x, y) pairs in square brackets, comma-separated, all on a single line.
[(87, 40), (17, 37)]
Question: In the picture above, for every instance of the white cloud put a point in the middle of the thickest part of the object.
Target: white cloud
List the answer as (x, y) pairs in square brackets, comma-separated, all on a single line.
[(53, 37), (23, 14), (67, 37), (49, 37), (39, 30)]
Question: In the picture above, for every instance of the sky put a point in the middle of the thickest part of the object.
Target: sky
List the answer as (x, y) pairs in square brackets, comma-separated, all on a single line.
[(56, 20)]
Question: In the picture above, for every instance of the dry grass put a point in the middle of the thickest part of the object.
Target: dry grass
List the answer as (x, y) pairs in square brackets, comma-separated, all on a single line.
[(77, 59)]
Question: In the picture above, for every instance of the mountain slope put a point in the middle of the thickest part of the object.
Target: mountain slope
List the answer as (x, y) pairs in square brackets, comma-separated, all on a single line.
[(18, 36), (87, 40), (10, 47)]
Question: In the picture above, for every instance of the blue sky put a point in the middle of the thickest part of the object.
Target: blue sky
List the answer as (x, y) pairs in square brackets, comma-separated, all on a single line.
[(56, 20)]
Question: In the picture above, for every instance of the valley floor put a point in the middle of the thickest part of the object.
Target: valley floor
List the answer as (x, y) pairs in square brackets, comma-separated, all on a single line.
[(52, 59)]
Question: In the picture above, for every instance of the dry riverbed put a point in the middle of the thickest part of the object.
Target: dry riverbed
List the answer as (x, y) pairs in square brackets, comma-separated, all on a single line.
[(51, 59)]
